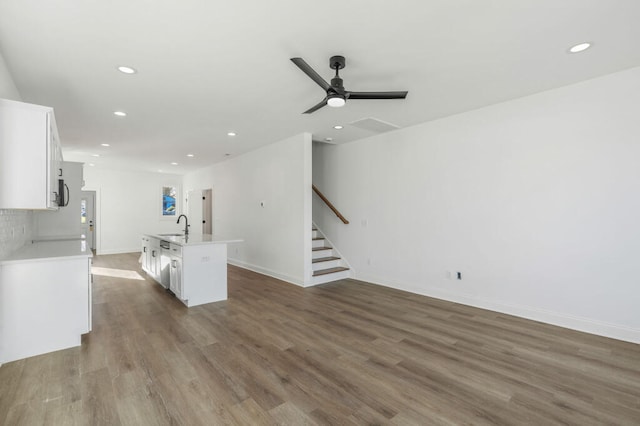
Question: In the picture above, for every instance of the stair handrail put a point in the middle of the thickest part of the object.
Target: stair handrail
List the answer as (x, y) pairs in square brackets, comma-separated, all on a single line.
[(328, 203)]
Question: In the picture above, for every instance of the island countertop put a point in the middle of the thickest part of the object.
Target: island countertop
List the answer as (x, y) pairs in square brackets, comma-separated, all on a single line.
[(195, 239)]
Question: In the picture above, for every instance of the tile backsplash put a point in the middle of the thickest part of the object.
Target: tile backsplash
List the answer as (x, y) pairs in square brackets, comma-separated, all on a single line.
[(16, 229)]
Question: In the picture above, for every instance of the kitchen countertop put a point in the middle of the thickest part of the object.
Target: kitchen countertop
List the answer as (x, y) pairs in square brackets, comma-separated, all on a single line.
[(46, 250), (196, 239), (77, 237)]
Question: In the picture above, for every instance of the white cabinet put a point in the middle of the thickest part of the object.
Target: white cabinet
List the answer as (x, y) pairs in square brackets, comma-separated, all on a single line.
[(30, 156), (146, 254), (45, 305), (154, 259), (175, 282), (151, 261)]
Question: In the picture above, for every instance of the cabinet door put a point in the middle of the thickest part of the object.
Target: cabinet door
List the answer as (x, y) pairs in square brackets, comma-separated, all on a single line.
[(176, 277), (27, 139), (154, 260), (90, 282), (145, 254)]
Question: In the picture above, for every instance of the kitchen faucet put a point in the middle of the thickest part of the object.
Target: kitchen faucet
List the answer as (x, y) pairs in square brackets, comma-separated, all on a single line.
[(186, 223)]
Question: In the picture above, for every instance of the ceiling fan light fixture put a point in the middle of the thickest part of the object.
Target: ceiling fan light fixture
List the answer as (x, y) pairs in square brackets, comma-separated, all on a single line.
[(336, 101)]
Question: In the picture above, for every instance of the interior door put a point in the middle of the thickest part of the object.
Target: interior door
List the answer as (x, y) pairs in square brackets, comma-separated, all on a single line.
[(207, 211), (88, 217)]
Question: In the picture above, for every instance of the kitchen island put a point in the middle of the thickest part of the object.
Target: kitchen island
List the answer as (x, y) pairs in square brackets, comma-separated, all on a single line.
[(45, 298), (193, 267)]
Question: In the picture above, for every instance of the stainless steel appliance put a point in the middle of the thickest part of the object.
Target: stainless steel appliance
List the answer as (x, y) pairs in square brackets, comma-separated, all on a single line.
[(165, 263)]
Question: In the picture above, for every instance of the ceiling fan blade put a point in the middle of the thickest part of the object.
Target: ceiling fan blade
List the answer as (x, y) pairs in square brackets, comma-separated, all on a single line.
[(317, 107), (311, 73), (377, 95)]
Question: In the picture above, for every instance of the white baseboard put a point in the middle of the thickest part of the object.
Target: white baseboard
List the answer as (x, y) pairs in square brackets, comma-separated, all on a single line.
[(265, 271), (118, 251), (586, 325)]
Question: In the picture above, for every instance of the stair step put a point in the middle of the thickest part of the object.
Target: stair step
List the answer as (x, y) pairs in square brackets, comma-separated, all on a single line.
[(321, 248), (318, 238), (329, 271), (325, 259)]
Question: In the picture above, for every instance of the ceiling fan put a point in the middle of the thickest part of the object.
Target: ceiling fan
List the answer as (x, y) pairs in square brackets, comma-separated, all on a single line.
[(336, 94)]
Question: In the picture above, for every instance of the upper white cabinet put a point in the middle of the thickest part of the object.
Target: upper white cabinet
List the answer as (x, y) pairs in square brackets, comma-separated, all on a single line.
[(30, 156)]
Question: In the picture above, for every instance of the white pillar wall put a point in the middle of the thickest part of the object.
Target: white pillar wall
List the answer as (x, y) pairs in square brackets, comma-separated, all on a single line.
[(264, 198)]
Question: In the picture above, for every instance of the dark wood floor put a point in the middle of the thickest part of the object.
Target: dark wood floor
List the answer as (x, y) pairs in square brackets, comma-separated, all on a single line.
[(342, 353)]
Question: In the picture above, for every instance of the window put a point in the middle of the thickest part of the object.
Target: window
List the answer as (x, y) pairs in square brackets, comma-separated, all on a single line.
[(83, 211)]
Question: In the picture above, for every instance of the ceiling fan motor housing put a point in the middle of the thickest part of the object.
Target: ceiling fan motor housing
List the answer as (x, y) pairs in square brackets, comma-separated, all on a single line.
[(336, 83)]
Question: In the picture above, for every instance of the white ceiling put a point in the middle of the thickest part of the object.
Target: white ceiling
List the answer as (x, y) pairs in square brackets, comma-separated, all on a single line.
[(209, 67)]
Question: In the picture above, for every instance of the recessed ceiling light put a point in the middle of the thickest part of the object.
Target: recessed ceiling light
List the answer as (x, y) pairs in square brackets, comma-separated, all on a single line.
[(579, 47), (91, 164), (174, 164), (338, 127), (160, 170), (126, 70), (328, 139), (231, 134), (95, 155), (190, 155), (120, 113), (105, 144)]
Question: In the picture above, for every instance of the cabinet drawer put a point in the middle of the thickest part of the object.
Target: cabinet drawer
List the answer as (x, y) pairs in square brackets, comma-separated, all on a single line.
[(176, 250)]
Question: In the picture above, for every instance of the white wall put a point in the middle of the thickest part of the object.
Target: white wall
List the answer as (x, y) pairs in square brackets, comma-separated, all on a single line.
[(128, 204), (536, 201), (12, 222), (277, 237), (8, 89)]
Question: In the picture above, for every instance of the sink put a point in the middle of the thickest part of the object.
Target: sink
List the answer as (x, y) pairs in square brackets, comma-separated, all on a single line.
[(171, 235)]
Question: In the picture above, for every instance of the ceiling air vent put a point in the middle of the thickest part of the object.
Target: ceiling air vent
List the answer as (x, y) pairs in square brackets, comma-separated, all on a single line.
[(374, 125)]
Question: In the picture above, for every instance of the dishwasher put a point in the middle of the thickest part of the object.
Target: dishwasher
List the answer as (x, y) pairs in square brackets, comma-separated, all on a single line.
[(165, 263)]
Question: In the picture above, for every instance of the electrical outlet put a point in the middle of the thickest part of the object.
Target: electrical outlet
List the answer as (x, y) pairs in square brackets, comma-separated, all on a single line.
[(206, 259)]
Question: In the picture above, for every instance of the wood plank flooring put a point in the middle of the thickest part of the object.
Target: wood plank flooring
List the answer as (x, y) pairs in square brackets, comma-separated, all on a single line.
[(345, 353)]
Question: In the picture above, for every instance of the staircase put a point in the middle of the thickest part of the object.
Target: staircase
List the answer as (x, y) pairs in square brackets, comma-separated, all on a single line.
[(326, 263)]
